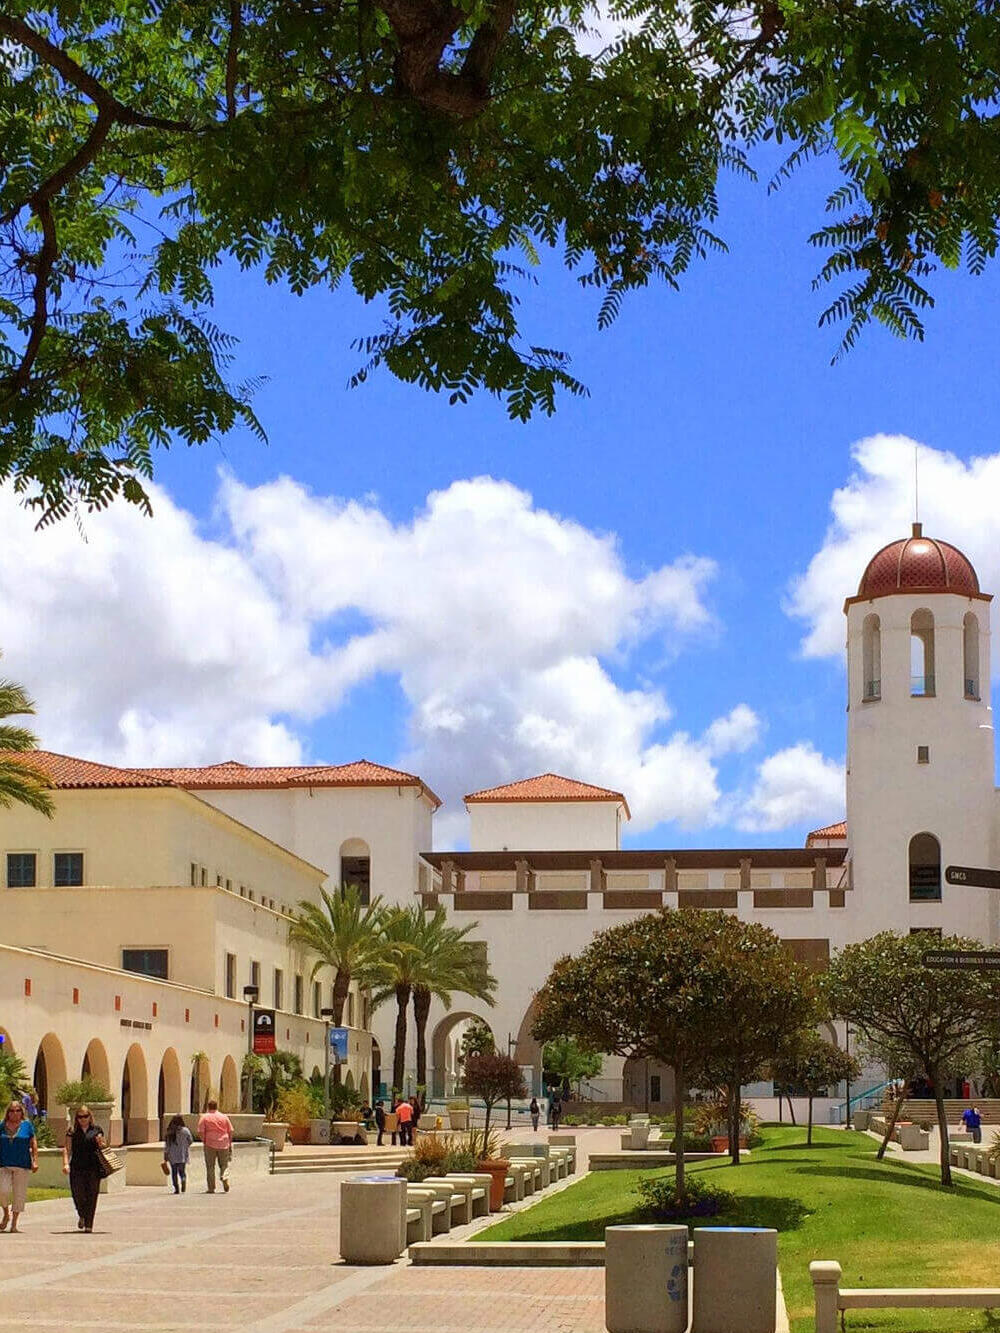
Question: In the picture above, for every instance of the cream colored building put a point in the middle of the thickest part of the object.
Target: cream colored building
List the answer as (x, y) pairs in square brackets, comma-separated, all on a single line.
[(198, 867)]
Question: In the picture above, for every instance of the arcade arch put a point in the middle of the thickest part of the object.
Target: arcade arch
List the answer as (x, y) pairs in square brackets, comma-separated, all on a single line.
[(528, 1050), (96, 1063), (49, 1070), (168, 1094), (134, 1096), (229, 1086), (444, 1070), (201, 1082)]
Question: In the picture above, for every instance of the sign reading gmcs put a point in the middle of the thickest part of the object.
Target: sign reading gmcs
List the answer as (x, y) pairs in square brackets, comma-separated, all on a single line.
[(263, 1032)]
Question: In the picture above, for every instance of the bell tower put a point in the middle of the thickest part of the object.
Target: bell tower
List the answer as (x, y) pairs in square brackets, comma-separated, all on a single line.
[(920, 761)]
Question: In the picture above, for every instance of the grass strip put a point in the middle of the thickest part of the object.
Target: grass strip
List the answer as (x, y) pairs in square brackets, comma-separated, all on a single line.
[(889, 1223)]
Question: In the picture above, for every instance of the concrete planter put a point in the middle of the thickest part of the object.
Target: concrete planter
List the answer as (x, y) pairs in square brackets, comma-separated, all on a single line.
[(319, 1129), (458, 1119), (347, 1131), (497, 1170), (298, 1134), (861, 1119), (276, 1131), (245, 1126), (61, 1118), (639, 1133)]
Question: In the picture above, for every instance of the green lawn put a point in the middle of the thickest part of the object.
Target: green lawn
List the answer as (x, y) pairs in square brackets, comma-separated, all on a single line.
[(889, 1223), (40, 1195)]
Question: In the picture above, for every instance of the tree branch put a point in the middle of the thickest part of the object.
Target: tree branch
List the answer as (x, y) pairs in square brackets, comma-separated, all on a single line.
[(232, 55), (43, 261)]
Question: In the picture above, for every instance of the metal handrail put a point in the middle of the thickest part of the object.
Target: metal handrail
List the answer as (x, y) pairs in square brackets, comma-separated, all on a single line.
[(860, 1096)]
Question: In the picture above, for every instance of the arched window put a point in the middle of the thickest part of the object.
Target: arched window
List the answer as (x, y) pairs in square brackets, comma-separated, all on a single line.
[(925, 868), (355, 867), (922, 654), (970, 655), (871, 658)]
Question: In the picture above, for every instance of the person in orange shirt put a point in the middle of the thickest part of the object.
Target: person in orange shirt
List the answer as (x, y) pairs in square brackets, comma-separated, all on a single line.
[(404, 1111)]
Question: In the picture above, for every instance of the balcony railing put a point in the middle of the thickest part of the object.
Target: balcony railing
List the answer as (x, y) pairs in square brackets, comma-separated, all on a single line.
[(971, 688), (873, 690), (921, 687)]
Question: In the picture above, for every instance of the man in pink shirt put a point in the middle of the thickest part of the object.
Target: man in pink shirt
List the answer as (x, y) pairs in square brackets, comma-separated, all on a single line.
[(215, 1130)]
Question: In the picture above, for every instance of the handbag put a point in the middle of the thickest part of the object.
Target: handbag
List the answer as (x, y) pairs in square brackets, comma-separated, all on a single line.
[(165, 1168), (109, 1161)]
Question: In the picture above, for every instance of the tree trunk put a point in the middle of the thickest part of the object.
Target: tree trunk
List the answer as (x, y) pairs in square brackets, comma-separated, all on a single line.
[(809, 1131), (341, 985), (733, 1109), (791, 1108), (943, 1130), (421, 1011), (399, 1049), (897, 1106), (679, 1127)]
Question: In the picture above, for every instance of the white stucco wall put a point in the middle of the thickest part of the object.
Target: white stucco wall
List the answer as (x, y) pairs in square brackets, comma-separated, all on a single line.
[(533, 826)]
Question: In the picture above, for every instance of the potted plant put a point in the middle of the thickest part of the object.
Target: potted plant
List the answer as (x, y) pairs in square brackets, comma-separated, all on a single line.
[(296, 1110), (86, 1091), (270, 1074), (494, 1078), (345, 1110), (458, 1115)]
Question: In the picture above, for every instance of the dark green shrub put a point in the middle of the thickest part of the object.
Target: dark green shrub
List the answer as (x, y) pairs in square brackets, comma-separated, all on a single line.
[(659, 1198), (415, 1172)]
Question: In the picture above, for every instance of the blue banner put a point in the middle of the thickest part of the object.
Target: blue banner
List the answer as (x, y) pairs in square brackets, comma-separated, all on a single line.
[(338, 1043)]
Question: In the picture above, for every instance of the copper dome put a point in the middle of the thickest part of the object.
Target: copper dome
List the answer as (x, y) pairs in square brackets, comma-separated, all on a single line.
[(918, 564)]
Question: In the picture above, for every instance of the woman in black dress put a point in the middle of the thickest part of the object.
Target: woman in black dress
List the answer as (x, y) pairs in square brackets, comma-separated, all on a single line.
[(82, 1164)]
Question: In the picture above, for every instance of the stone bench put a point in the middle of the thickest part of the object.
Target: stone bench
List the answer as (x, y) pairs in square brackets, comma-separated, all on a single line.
[(461, 1197), (479, 1189), (443, 1197)]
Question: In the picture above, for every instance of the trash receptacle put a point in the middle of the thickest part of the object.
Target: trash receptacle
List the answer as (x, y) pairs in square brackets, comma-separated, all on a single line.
[(372, 1219), (646, 1279), (735, 1280)]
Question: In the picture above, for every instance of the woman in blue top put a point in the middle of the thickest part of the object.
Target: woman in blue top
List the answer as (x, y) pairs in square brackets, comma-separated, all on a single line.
[(18, 1156)]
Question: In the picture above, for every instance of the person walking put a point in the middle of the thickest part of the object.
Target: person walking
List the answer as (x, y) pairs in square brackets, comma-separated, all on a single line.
[(215, 1130), (534, 1111), (973, 1122), (177, 1152), (555, 1109), (83, 1165), (380, 1121), (404, 1114), (18, 1157), (415, 1122)]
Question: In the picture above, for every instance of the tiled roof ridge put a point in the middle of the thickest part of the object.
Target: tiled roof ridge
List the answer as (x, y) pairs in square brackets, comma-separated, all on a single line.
[(837, 830), (547, 787)]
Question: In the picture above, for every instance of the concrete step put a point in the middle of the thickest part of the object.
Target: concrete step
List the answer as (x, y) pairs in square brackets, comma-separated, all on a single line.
[(381, 1162)]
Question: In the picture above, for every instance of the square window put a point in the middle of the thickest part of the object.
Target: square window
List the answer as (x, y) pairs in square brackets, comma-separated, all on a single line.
[(923, 754), (148, 962), (279, 988), (230, 976), (67, 869), (298, 993), (21, 870)]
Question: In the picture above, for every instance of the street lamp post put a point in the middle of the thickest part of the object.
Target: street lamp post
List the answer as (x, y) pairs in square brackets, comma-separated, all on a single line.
[(847, 1051), (510, 1042), (326, 1015), (250, 994)]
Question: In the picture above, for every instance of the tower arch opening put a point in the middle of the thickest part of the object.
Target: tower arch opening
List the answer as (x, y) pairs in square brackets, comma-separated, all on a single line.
[(356, 867), (970, 655), (922, 682), (925, 868), (871, 658)]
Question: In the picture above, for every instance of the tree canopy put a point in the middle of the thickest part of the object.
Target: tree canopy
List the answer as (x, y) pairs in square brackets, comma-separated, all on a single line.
[(426, 152), (811, 1064), (932, 1019)]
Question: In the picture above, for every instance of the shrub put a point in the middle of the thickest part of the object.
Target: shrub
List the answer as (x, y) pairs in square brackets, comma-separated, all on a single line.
[(344, 1102), (82, 1091), (694, 1143), (295, 1105), (45, 1134), (659, 1198)]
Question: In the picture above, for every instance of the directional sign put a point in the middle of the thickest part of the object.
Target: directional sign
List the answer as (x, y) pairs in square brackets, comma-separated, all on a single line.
[(964, 960), (263, 1032), (974, 876)]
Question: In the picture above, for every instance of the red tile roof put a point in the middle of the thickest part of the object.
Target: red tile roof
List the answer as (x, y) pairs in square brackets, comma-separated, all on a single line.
[(831, 831), (918, 564), (548, 787), (65, 771)]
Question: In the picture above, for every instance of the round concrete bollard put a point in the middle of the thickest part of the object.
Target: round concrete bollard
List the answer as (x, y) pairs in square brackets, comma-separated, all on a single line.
[(645, 1279), (735, 1280), (372, 1219)]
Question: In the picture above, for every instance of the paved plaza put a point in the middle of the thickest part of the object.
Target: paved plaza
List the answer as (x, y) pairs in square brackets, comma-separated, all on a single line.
[(262, 1259)]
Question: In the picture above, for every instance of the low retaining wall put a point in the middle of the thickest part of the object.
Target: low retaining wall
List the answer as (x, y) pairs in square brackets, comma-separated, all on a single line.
[(142, 1165), (648, 1157), (50, 1173)]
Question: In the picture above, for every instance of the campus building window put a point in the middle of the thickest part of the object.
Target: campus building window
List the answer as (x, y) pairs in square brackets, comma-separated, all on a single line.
[(230, 976), (21, 870), (350, 1011), (925, 868), (148, 962), (317, 999), (871, 636), (298, 993), (194, 873), (279, 988), (255, 975), (356, 871), (67, 869), (970, 655)]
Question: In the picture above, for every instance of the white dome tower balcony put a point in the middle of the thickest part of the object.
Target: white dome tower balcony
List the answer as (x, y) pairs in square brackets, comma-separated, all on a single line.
[(920, 762)]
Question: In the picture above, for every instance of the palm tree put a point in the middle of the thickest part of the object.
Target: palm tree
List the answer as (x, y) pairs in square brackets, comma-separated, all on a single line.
[(400, 971), (345, 935), (20, 781), (450, 964)]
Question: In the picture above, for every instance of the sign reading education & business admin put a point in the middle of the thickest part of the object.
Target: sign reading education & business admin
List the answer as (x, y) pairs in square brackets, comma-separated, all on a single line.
[(263, 1032)]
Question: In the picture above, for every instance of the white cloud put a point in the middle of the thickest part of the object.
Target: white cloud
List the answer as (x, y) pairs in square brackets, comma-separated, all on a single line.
[(959, 503), (505, 624), (794, 786)]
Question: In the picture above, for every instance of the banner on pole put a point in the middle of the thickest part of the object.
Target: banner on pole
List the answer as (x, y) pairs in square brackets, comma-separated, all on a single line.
[(263, 1032), (338, 1044)]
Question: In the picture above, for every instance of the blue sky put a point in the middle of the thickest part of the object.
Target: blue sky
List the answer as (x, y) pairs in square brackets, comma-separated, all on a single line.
[(716, 430)]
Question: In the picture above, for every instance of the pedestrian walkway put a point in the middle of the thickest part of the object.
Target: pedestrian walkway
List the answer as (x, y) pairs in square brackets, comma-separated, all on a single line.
[(262, 1259)]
